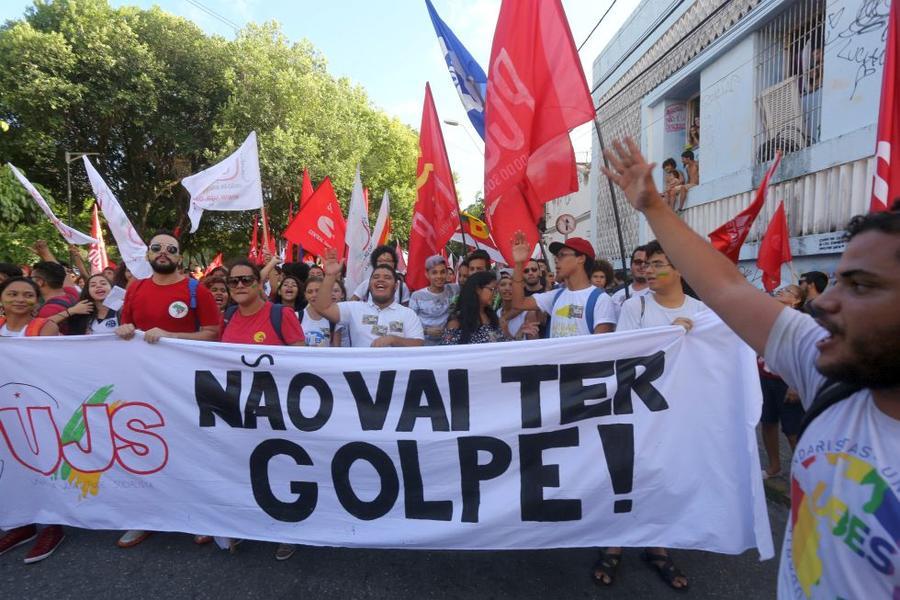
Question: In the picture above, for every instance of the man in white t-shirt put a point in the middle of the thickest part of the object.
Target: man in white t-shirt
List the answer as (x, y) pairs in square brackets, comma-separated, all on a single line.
[(638, 285), (578, 309), (843, 537), (379, 321), (666, 303), (382, 255)]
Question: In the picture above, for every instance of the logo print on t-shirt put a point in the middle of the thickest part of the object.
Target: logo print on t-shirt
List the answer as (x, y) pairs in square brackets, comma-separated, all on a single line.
[(570, 311), (178, 309), (259, 337)]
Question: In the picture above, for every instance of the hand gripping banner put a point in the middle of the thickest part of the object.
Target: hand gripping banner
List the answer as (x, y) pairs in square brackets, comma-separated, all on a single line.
[(628, 439)]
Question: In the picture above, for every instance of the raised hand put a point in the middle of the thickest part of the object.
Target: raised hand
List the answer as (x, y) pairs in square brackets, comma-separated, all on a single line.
[(521, 249), (331, 265), (632, 173), (85, 307)]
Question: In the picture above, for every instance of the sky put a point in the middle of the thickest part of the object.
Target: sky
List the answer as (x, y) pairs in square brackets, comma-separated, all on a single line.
[(390, 48)]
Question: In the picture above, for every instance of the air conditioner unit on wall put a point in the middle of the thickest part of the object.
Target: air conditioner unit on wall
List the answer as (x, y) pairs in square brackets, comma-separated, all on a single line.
[(782, 114)]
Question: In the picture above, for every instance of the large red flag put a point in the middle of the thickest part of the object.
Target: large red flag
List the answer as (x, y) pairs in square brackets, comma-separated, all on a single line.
[(775, 249), (97, 252), (886, 187), (319, 225), (306, 190), (536, 93), (253, 254), (435, 216), (729, 237)]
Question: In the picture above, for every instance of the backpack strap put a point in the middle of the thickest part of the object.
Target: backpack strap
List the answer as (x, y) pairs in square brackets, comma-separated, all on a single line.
[(193, 284), (589, 309), (229, 313), (33, 329), (276, 316), (828, 395), (555, 300), (643, 308)]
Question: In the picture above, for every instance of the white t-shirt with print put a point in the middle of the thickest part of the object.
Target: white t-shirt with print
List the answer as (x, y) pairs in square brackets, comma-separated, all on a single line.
[(366, 322), (316, 331), (844, 530), (567, 316), (107, 325), (432, 309), (655, 315), (362, 291), (619, 297)]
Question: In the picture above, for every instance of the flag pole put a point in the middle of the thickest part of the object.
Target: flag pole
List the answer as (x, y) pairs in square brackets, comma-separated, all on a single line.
[(462, 232), (612, 199), (265, 225)]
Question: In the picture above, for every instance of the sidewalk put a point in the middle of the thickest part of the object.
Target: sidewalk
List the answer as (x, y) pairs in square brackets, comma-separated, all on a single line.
[(778, 489)]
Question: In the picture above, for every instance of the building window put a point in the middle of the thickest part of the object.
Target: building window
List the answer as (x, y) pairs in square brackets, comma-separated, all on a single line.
[(789, 65)]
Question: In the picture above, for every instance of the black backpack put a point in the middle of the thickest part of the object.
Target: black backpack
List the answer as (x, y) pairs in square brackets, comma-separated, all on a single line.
[(828, 395)]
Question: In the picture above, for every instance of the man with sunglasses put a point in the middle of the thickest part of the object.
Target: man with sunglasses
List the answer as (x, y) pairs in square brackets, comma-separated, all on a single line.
[(638, 285), (168, 304), (577, 309)]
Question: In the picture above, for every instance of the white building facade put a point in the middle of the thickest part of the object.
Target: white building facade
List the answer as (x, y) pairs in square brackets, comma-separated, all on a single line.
[(735, 81)]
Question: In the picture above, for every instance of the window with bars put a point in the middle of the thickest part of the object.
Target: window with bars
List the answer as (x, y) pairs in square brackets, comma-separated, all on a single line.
[(789, 64)]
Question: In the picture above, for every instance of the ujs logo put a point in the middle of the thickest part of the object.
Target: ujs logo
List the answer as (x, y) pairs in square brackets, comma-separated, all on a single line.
[(97, 436)]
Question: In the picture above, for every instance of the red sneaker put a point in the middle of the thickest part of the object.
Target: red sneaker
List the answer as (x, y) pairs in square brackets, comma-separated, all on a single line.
[(16, 537), (48, 541)]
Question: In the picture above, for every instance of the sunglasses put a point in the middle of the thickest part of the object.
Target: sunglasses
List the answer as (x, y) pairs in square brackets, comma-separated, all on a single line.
[(245, 280), (158, 248), (532, 270)]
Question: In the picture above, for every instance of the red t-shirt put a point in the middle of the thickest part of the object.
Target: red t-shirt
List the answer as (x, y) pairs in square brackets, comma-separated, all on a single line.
[(257, 328), (57, 304), (148, 305)]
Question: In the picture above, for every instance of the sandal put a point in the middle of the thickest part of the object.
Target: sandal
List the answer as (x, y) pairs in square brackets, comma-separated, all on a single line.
[(606, 566), (667, 570)]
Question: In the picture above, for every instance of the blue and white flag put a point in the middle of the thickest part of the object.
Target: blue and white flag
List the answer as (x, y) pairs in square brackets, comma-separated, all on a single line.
[(467, 74)]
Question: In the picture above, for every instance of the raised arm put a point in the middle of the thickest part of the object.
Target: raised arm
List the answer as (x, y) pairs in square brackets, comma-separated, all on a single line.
[(521, 252), (324, 304), (78, 261), (748, 311)]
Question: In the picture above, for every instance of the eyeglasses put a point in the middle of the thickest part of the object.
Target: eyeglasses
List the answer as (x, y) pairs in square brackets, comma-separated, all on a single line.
[(563, 254), (158, 248), (658, 264), (245, 280)]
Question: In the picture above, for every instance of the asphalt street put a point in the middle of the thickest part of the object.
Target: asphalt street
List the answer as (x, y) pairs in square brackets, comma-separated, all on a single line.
[(88, 565)]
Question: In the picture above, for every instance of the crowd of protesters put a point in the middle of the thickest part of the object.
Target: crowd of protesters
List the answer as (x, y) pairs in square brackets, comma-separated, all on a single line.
[(296, 304)]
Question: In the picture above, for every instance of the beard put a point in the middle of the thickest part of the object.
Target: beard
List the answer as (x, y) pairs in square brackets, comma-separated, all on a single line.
[(163, 268), (873, 364)]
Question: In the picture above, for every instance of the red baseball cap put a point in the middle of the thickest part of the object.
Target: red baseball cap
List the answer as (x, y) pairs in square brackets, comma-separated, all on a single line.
[(577, 244)]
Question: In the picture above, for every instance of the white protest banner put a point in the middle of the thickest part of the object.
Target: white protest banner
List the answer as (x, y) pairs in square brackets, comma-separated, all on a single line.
[(132, 248), (643, 438), (358, 237), (72, 236), (233, 184)]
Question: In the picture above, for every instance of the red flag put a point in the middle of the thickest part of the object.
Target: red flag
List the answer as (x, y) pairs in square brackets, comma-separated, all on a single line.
[(253, 254), (886, 187), (436, 212), (97, 252), (320, 224), (536, 93), (269, 238), (216, 262), (401, 259), (306, 190), (729, 238), (290, 252), (775, 249)]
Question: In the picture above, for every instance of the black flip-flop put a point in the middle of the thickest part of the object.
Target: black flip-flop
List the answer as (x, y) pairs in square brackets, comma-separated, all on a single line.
[(607, 564)]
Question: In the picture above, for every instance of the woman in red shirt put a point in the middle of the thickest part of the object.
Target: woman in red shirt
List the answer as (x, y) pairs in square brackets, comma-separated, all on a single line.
[(250, 320)]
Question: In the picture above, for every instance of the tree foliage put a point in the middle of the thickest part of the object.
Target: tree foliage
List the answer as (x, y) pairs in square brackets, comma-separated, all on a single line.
[(157, 99)]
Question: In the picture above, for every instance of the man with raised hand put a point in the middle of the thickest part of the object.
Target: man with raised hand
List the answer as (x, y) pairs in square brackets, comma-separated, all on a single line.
[(378, 321), (578, 309), (842, 538)]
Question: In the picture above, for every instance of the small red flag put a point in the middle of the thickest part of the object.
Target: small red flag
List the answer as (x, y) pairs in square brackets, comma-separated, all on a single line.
[(729, 237), (320, 224), (253, 254), (435, 215), (536, 93), (97, 252), (269, 238), (216, 262), (775, 249), (306, 190), (886, 187), (401, 259), (290, 251)]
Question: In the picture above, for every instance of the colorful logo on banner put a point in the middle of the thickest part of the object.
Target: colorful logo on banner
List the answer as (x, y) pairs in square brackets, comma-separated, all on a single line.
[(96, 436), (864, 516)]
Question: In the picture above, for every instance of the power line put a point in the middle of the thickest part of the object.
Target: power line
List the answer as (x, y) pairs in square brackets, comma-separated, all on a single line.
[(596, 26), (215, 15)]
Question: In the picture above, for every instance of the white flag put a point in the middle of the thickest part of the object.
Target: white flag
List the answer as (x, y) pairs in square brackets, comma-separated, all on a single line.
[(382, 227), (131, 247), (358, 237), (72, 236), (233, 184)]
